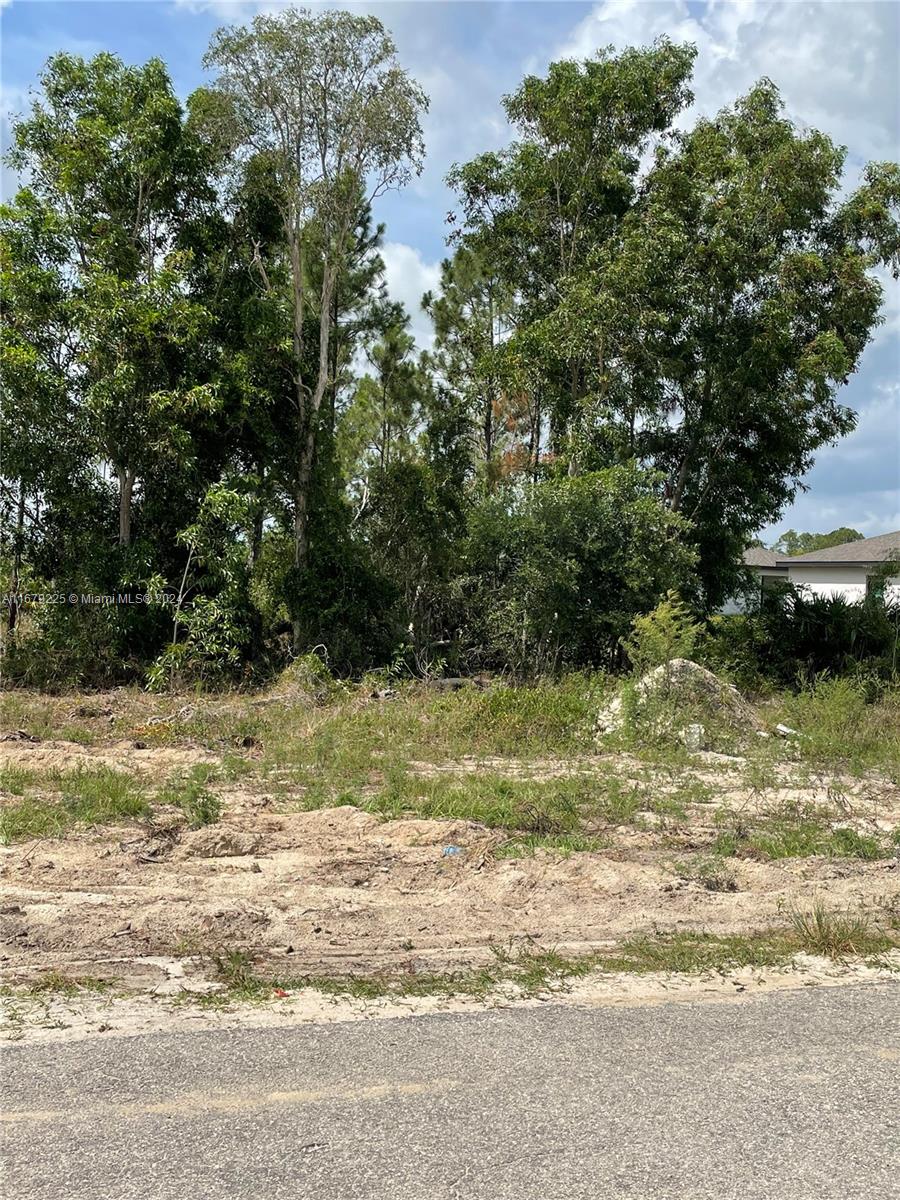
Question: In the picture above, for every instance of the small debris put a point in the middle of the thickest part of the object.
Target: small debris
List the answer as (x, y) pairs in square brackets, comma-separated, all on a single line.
[(785, 731), (694, 736), (452, 851), (19, 735)]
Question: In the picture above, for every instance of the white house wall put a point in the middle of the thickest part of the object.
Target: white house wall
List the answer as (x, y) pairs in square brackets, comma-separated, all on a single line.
[(829, 579)]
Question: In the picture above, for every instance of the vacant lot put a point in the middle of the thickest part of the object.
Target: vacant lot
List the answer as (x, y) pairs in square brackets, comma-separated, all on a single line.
[(415, 838)]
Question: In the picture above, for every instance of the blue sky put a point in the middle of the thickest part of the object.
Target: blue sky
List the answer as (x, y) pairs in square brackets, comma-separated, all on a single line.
[(835, 63)]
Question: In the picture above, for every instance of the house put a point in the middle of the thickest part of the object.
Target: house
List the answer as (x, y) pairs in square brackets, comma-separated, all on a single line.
[(848, 570)]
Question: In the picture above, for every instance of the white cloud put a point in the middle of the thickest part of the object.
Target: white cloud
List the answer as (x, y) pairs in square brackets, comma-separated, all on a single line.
[(408, 277), (835, 63)]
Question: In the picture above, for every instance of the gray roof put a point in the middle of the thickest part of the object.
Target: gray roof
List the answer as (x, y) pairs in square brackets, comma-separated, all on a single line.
[(759, 556), (865, 550)]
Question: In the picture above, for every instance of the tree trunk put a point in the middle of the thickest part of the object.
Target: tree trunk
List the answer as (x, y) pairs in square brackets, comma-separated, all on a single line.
[(17, 561), (126, 490), (307, 448)]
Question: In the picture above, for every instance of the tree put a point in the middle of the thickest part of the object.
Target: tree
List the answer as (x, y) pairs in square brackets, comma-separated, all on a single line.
[(116, 180), (555, 574), (722, 320), (538, 209), (792, 543), (471, 315), (323, 101), (379, 425)]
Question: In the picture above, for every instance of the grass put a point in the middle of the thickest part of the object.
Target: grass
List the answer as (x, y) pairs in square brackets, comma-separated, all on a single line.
[(712, 873), (58, 983), (564, 844), (568, 806), (796, 831), (190, 793), (85, 797), (530, 971), (338, 747), (839, 935), (689, 953), (840, 726)]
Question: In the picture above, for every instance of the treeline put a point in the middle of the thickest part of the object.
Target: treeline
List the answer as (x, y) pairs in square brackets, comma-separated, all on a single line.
[(640, 336)]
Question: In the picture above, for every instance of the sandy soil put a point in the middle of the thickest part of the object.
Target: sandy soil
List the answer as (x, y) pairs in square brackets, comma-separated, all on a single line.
[(54, 1018), (337, 890)]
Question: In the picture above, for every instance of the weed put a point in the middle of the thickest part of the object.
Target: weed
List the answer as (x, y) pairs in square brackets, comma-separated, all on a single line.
[(99, 797), (838, 934), (15, 780), (57, 983), (528, 970), (563, 843), (691, 952), (796, 831), (713, 873), (196, 801)]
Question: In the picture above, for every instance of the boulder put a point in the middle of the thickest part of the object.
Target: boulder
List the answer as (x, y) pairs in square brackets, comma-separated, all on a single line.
[(683, 684)]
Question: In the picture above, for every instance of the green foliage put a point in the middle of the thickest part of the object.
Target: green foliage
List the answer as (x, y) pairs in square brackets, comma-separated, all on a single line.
[(88, 798), (793, 636), (793, 543), (668, 632), (557, 572), (636, 356), (200, 805)]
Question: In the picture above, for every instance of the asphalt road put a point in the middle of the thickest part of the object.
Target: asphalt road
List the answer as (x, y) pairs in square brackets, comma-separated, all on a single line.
[(794, 1096)]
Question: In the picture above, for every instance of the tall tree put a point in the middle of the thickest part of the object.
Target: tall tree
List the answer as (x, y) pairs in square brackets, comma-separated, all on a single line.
[(537, 209), (323, 100), (379, 425), (115, 180), (721, 322), (472, 314)]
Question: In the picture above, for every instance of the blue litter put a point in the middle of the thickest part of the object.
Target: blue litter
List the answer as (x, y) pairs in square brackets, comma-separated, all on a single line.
[(449, 851)]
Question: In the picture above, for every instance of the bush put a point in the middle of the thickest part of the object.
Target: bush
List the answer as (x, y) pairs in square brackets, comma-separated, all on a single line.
[(668, 632), (556, 573), (795, 637)]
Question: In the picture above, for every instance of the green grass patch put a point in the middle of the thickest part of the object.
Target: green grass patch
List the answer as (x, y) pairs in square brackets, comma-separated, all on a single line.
[(689, 953), (839, 725), (200, 805), (832, 934), (85, 797), (530, 971), (565, 844), (839, 934), (796, 832), (340, 747), (565, 806), (711, 872), (58, 983)]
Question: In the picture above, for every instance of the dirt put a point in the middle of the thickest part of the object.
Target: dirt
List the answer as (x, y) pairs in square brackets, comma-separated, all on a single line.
[(337, 890), (129, 755), (87, 1014)]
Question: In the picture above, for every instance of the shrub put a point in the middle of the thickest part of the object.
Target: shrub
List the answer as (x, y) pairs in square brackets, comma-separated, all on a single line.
[(793, 636), (556, 573), (668, 632)]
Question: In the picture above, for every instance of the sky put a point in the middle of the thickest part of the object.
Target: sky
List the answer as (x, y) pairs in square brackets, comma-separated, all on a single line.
[(835, 63)]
